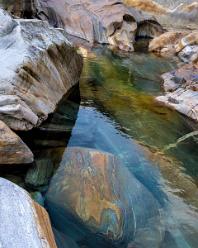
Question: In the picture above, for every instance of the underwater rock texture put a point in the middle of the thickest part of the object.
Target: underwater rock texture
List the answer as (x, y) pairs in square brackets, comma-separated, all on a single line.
[(38, 66), (181, 88), (12, 149), (94, 198), (24, 223)]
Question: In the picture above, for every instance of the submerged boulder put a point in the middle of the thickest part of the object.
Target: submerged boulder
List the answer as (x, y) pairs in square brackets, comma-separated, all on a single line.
[(38, 66), (12, 149), (94, 199), (181, 87), (24, 223)]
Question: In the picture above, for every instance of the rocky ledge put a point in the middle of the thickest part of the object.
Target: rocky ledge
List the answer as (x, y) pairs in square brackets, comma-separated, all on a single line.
[(181, 85), (38, 66)]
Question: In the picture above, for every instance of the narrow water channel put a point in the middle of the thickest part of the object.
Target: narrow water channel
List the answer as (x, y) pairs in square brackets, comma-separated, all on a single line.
[(118, 113)]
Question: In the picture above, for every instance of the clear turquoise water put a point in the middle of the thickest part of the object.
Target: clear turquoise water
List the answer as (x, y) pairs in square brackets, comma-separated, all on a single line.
[(118, 114)]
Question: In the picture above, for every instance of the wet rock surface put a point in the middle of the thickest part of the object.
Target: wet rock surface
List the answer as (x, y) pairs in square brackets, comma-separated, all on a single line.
[(103, 201), (24, 223), (38, 67), (12, 149)]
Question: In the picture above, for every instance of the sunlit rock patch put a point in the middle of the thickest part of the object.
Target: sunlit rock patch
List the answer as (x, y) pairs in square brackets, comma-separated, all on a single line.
[(24, 223)]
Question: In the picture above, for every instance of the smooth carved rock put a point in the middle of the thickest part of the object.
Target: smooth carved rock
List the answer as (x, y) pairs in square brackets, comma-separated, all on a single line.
[(38, 66), (182, 91), (103, 201), (24, 223), (12, 149), (105, 22)]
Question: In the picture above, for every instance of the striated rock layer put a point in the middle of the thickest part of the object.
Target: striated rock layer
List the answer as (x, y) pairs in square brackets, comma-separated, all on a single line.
[(12, 149), (104, 202), (104, 22), (38, 66), (24, 223)]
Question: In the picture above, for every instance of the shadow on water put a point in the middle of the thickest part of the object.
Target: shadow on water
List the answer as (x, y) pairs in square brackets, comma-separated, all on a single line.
[(48, 143)]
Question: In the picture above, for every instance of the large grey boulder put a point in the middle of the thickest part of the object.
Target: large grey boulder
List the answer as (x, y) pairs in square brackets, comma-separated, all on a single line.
[(38, 66), (24, 223)]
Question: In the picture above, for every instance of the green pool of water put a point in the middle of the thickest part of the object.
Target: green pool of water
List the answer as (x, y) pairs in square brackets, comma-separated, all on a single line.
[(118, 113)]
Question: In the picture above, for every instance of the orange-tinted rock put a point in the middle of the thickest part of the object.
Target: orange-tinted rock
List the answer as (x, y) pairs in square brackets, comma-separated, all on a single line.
[(147, 6), (12, 149), (165, 44)]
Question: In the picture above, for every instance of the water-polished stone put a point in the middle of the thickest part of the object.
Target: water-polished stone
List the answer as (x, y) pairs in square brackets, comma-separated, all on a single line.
[(24, 223), (12, 149), (94, 199), (38, 67)]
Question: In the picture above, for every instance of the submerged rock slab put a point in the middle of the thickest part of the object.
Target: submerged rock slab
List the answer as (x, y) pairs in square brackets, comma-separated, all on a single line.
[(24, 223), (12, 149), (94, 199), (38, 66), (181, 88)]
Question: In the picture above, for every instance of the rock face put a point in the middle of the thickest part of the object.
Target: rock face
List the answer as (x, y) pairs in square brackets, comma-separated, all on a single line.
[(107, 21), (12, 149), (181, 88), (95, 200), (24, 223), (38, 66)]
